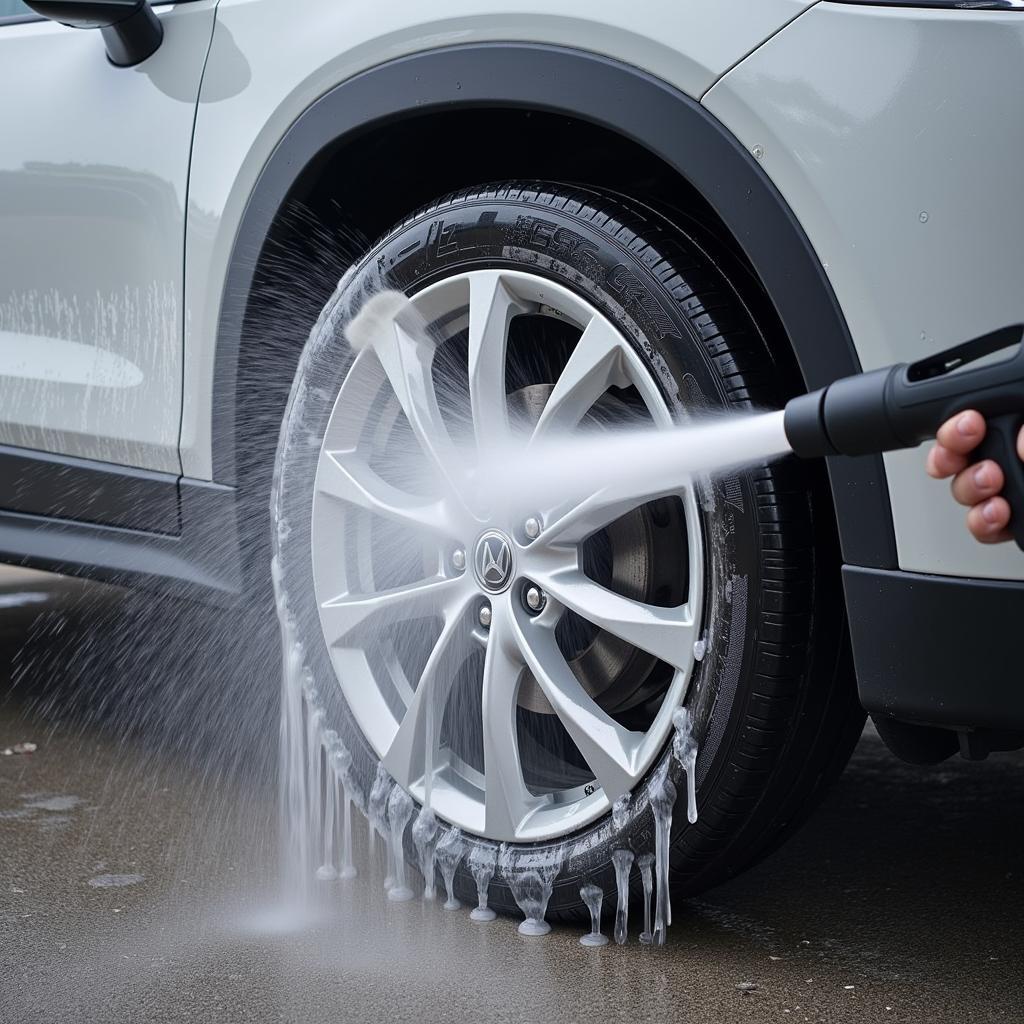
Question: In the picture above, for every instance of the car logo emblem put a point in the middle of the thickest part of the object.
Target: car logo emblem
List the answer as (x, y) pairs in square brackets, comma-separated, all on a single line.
[(493, 561)]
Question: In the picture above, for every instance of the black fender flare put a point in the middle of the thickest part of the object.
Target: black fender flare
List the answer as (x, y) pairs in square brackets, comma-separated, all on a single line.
[(634, 105)]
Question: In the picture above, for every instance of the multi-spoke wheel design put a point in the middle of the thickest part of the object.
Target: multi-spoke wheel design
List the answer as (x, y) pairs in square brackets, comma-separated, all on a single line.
[(517, 667)]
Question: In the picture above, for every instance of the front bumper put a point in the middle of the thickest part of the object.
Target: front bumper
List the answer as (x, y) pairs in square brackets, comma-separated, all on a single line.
[(937, 650)]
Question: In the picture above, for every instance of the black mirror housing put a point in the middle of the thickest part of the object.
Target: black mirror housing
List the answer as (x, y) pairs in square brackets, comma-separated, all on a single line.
[(130, 29)]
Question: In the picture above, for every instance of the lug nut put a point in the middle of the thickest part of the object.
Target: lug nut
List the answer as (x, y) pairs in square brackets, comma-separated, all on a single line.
[(532, 527), (459, 559), (534, 598), (485, 616)]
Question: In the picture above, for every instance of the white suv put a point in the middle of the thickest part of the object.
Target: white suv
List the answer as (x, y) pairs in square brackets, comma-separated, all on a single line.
[(601, 211)]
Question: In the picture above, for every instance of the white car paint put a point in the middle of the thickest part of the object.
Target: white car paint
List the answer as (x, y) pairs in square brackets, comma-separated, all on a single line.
[(93, 175), (896, 137)]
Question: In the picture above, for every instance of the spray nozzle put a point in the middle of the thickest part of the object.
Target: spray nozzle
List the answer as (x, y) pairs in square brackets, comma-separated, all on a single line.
[(900, 406)]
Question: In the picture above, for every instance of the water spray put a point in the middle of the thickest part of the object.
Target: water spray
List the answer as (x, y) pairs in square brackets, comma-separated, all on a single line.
[(877, 411)]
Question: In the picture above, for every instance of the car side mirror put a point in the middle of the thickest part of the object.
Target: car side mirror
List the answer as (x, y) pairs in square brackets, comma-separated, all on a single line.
[(130, 29)]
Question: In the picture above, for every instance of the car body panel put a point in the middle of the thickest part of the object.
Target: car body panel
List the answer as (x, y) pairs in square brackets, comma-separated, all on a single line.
[(93, 175), (894, 135), (265, 70)]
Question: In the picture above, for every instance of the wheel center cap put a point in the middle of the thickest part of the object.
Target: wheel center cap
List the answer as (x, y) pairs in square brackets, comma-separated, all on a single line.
[(493, 562)]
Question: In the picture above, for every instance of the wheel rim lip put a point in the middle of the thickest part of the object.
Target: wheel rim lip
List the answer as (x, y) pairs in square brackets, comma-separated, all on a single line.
[(454, 799)]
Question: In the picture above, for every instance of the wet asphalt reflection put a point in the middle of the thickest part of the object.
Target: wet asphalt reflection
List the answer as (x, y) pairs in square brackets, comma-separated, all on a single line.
[(135, 887)]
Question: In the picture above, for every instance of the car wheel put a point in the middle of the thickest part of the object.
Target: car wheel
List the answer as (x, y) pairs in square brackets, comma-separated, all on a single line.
[(549, 305)]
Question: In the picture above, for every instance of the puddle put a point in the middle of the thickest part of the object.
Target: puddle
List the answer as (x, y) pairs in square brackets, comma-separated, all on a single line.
[(115, 881), (56, 803)]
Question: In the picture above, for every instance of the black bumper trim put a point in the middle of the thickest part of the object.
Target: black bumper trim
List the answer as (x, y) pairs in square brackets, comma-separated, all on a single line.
[(937, 650)]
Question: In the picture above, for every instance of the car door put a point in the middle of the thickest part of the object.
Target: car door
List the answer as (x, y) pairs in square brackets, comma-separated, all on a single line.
[(94, 165)]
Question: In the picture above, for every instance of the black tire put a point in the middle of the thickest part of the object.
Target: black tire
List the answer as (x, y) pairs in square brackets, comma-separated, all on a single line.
[(773, 700)]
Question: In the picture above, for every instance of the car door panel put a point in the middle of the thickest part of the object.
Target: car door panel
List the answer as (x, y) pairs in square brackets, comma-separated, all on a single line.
[(93, 174)]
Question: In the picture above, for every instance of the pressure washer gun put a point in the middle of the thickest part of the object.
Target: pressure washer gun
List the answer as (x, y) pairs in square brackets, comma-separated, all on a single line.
[(902, 405)]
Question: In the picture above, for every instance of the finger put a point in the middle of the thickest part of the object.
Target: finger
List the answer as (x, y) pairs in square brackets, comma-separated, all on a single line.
[(942, 462), (1020, 444), (962, 433), (974, 484), (987, 521)]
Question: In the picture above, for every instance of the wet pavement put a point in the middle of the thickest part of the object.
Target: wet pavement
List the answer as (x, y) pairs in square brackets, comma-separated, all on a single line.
[(135, 886)]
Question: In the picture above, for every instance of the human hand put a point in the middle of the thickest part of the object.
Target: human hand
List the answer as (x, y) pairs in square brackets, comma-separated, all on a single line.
[(975, 486)]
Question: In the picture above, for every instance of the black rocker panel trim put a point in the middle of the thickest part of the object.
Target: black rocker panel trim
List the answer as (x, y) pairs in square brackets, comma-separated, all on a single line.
[(937, 650), (125, 526), (637, 106), (62, 487)]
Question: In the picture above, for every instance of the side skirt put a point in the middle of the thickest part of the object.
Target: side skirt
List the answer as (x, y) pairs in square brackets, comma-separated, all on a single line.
[(125, 526)]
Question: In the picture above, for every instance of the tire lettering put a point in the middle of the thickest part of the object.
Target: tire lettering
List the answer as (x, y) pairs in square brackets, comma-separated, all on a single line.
[(445, 241), (542, 234), (634, 292), (560, 241)]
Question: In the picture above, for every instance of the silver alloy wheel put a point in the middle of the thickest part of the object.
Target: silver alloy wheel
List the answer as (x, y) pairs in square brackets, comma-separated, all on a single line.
[(457, 559)]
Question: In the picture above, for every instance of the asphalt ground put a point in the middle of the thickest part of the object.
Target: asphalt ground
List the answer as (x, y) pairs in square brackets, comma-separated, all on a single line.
[(139, 886)]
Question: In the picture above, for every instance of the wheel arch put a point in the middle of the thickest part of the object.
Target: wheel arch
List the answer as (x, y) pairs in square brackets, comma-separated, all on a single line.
[(637, 128)]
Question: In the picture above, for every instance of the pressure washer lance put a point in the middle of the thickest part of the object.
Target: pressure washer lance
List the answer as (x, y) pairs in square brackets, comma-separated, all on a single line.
[(902, 405)]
